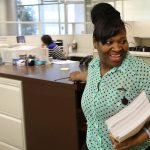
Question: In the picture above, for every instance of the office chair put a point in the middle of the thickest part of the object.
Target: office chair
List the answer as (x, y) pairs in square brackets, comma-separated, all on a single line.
[(20, 39), (59, 43)]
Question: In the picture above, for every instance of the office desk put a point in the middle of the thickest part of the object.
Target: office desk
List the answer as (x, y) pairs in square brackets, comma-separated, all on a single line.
[(50, 107), (77, 56)]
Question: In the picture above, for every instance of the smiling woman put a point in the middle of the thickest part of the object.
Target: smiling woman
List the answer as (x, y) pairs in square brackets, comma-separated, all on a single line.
[(113, 51), (114, 69)]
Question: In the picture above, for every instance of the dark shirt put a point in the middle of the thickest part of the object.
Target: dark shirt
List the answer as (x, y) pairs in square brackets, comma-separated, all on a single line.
[(52, 46), (55, 52)]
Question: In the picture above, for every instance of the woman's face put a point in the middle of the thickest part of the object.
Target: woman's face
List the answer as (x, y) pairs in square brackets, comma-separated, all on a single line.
[(43, 45), (113, 52)]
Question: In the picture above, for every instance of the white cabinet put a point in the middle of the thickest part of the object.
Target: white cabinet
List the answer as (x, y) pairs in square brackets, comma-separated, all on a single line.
[(12, 135), (4, 146), (144, 55)]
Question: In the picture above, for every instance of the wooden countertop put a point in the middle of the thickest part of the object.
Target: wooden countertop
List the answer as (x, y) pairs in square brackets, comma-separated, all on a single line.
[(50, 106), (50, 72), (78, 54)]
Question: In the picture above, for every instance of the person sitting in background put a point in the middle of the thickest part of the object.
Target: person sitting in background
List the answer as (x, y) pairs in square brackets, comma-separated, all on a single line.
[(54, 49)]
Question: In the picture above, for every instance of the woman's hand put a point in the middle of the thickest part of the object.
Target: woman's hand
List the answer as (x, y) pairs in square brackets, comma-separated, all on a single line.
[(133, 141), (74, 76), (78, 76), (125, 145)]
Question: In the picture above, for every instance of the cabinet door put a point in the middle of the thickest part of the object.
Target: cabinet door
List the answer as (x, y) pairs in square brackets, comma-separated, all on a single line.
[(4, 146), (11, 115), (10, 97), (11, 131)]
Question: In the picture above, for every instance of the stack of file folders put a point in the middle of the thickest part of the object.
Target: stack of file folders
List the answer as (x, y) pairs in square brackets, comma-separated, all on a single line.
[(131, 119)]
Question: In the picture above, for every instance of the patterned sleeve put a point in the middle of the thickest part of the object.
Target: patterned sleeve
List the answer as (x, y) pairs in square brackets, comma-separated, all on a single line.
[(90, 68), (146, 76), (57, 53), (147, 85)]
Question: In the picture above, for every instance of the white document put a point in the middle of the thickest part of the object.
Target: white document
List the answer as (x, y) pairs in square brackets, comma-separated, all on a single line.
[(62, 62), (131, 119)]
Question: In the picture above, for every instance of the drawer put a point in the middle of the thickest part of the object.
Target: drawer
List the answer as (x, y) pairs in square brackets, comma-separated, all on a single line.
[(11, 131), (4, 146), (10, 97)]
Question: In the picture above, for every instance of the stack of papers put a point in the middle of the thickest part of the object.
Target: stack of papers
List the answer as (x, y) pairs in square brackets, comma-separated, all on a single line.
[(62, 62), (131, 119)]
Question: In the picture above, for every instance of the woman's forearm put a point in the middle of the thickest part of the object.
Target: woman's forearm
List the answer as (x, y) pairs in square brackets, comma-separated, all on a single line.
[(78, 76), (141, 137), (83, 76), (136, 140)]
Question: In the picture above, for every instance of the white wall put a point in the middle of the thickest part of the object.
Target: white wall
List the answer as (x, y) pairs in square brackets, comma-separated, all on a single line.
[(145, 42), (3, 15), (3, 9), (130, 30), (142, 29), (11, 16), (141, 32), (136, 10), (8, 13), (85, 43)]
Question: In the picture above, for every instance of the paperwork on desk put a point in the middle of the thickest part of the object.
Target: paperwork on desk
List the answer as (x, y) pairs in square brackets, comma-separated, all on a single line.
[(62, 62), (23, 47), (131, 119)]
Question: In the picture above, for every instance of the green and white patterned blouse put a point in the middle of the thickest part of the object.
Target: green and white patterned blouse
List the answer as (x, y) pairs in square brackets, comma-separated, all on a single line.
[(102, 98)]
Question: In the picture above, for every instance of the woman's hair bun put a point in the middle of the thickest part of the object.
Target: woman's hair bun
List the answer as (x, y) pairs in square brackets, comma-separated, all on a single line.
[(103, 11)]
